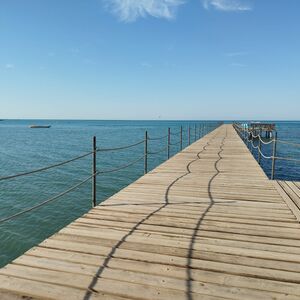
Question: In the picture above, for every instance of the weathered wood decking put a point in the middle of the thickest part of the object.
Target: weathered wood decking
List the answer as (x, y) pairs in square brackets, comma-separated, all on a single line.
[(207, 224), (290, 191)]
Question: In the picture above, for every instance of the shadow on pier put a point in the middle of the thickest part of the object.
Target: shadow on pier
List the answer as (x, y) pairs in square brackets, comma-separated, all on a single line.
[(189, 279)]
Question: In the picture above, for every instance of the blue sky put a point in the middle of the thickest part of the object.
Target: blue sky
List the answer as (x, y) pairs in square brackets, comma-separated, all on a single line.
[(150, 59)]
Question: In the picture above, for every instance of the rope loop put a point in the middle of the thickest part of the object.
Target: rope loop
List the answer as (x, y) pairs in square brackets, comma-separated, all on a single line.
[(120, 168), (120, 148), (157, 138), (159, 151), (46, 168), (46, 201)]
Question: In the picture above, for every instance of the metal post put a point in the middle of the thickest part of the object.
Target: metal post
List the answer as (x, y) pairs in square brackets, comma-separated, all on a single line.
[(247, 139), (146, 153), (181, 138), (169, 141), (94, 169), (195, 132), (189, 135), (259, 147), (274, 155)]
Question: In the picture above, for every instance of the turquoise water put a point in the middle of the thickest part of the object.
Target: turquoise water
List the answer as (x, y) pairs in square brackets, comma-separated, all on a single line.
[(23, 149)]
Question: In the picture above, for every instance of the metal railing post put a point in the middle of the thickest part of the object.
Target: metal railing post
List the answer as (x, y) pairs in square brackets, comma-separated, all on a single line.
[(181, 138), (169, 141), (146, 153), (274, 155), (259, 148), (195, 132), (248, 139), (94, 170), (189, 135)]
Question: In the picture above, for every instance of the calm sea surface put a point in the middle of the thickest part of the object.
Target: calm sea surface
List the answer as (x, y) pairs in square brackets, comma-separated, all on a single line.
[(23, 149)]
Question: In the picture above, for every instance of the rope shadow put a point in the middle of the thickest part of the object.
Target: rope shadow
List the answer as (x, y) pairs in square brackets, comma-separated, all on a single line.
[(189, 279), (98, 274)]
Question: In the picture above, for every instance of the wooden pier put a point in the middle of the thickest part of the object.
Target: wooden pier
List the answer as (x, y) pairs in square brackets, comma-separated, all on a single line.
[(206, 224)]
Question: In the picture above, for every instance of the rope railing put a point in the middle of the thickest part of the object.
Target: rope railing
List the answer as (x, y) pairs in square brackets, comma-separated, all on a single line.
[(175, 144), (45, 168), (121, 167), (264, 142), (288, 143), (287, 158), (249, 136), (159, 151), (120, 148), (176, 133), (263, 155), (157, 138), (203, 130), (46, 201)]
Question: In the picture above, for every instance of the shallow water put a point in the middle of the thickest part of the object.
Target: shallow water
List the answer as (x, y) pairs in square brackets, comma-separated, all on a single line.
[(23, 149)]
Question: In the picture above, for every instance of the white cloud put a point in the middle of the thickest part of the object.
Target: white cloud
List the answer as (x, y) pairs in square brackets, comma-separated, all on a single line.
[(130, 10), (234, 54), (227, 5), (146, 64), (239, 65), (9, 66)]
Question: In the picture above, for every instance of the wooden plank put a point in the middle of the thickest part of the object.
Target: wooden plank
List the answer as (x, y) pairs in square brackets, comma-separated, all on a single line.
[(289, 196)]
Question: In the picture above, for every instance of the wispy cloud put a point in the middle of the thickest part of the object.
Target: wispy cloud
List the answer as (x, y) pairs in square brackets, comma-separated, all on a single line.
[(235, 54), (238, 65), (131, 10), (146, 64), (9, 66), (227, 5)]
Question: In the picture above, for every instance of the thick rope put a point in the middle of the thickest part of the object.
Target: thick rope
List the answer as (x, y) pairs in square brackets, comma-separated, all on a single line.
[(46, 201), (120, 148), (287, 158), (120, 168), (289, 143), (46, 168), (157, 138), (159, 151)]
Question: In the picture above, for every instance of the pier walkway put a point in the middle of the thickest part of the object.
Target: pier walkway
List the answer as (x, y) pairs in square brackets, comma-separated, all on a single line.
[(206, 224)]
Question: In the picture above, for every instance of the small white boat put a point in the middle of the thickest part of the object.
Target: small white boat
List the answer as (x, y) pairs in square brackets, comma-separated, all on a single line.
[(40, 126)]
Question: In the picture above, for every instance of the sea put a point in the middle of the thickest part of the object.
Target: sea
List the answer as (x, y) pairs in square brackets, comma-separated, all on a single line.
[(23, 149)]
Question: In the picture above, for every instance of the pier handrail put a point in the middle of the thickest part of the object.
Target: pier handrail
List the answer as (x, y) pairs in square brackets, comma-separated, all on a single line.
[(121, 167), (202, 131), (45, 168), (46, 201), (289, 143), (159, 151), (176, 133), (121, 147), (248, 137), (174, 144), (157, 138)]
